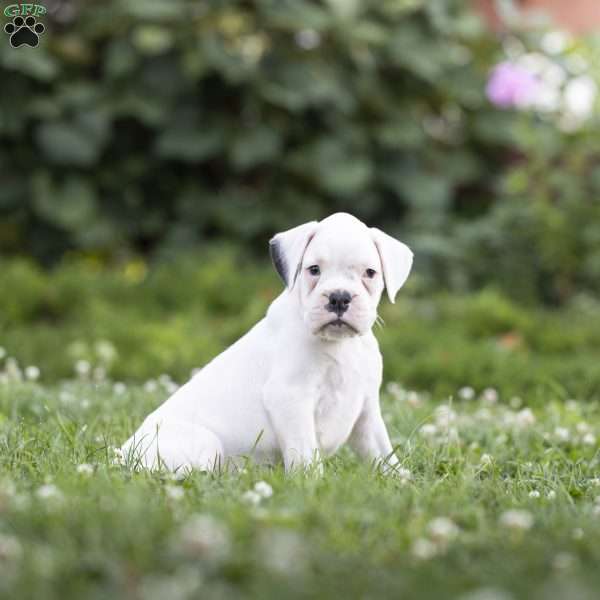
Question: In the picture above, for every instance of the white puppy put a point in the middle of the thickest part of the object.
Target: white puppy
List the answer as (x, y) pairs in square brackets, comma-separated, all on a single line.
[(306, 378)]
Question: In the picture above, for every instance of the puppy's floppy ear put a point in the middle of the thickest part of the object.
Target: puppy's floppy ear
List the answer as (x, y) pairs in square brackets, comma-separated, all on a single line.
[(287, 250), (396, 261)]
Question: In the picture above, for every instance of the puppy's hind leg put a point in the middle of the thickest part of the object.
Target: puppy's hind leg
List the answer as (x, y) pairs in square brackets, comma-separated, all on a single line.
[(176, 446)]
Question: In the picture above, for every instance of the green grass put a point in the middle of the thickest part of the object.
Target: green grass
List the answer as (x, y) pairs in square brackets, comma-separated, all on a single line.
[(352, 533), (180, 313), (103, 531)]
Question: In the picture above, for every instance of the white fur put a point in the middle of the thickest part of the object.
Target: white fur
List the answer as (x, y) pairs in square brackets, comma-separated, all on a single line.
[(294, 387)]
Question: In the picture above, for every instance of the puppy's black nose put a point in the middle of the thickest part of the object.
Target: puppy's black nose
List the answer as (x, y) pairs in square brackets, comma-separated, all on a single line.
[(338, 302)]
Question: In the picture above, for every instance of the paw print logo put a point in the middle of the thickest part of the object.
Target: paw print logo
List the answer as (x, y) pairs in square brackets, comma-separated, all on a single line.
[(24, 31)]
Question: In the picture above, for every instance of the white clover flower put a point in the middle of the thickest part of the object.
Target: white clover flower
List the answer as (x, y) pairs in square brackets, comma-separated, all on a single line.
[(167, 383), (571, 405), (486, 459), (516, 402), (118, 457), (525, 418), (49, 491), (10, 548), (424, 549), (413, 399), (466, 393), (164, 379), (174, 492), (452, 435), (582, 428), (403, 474), (105, 351), (150, 386), (428, 430), (589, 439), (263, 489), (394, 389), (82, 368), (562, 434), (551, 495), (534, 494), (119, 388), (85, 469), (577, 533), (490, 395), (32, 373), (595, 481), (444, 416), (442, 529), (205, 536), (517, 519), (251, 497)]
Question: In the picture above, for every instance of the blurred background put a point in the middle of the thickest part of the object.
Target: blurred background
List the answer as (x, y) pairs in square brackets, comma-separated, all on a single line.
[(149, 150)]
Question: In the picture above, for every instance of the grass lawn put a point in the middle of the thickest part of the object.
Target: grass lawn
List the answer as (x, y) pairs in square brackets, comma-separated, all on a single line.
[(498, 498), (75, 524)]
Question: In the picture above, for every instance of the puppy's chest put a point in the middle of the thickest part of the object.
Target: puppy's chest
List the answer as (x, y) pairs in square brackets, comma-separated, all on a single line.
[(340, 399)]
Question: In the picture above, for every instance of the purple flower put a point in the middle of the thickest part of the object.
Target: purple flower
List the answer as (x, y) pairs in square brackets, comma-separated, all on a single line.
[(511, 85)]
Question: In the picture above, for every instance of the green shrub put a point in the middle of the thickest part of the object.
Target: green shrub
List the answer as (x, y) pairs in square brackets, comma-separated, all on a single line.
[(155, 127), (162, 126)]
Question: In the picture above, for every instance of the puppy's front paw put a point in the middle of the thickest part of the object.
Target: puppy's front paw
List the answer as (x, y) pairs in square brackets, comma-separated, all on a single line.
[(391, 466)]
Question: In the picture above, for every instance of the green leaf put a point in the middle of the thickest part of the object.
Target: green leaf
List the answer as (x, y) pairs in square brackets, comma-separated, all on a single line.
[(71, 205), (190, 145), (255, 146), (38, 64), (336, 168), (66, 143)]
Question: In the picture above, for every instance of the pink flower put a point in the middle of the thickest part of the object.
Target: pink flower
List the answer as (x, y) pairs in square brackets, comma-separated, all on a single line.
[(511, 85)]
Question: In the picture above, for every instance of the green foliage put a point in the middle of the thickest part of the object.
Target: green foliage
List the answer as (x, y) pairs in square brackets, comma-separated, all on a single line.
[(158, 126), (161, 126)]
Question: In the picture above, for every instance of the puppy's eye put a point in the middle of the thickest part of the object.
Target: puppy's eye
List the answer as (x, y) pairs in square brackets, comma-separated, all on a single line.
[(314, 270), (370, 273)]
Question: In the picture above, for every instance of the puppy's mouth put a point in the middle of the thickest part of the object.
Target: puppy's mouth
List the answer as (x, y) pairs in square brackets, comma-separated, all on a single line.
[(339, 324)]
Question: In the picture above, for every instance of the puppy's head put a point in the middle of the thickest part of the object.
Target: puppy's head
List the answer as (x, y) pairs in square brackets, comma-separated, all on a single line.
[(339, 267)]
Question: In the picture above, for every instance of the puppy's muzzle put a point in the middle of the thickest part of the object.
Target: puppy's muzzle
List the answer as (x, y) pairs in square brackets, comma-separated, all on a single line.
[(339, 302)]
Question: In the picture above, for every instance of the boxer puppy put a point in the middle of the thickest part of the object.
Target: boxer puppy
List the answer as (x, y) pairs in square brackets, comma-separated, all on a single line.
[(305, 379)]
